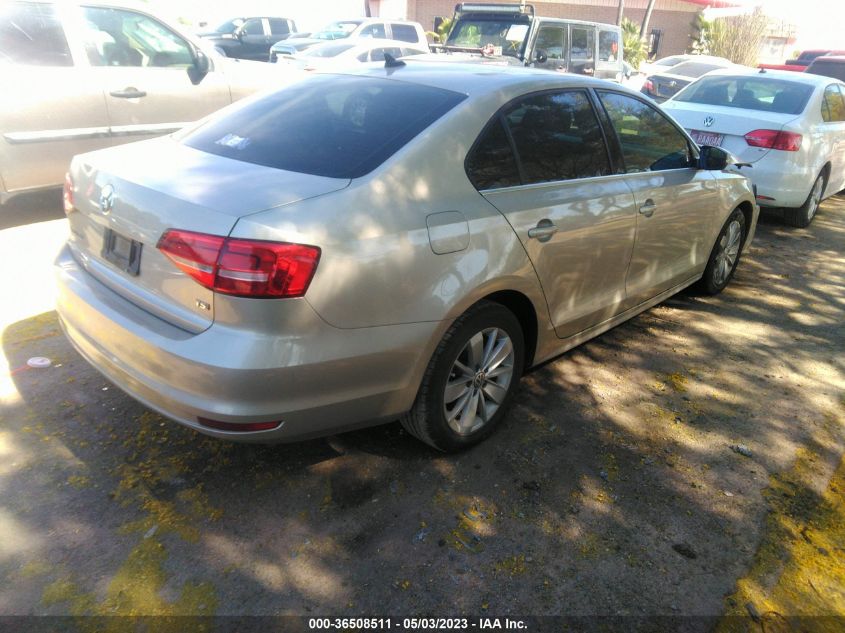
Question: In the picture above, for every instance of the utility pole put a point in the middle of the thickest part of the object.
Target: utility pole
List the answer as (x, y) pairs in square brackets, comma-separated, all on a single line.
[(619, 12)]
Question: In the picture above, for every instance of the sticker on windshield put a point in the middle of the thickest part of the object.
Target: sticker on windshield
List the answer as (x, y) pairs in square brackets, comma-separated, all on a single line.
[(517, 32), (234, 141)]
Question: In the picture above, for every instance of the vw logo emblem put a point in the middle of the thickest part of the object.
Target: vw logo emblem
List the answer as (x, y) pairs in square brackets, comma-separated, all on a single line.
[(708, 121), (106, 198)]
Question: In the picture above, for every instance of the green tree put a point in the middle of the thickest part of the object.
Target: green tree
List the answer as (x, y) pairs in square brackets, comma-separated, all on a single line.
[(737, 38), (634, 47)]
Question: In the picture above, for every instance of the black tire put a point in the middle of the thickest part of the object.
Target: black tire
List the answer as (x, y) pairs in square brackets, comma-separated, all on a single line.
[(803, 215), (715, 277), (427, 418)]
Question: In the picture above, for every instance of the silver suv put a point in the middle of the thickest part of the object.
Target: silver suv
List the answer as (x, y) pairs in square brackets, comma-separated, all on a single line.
[(79, 77)]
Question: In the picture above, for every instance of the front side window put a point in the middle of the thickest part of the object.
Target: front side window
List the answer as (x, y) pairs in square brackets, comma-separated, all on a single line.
[(404, 33), (833, 107), (551, 40), (648, 139), (253, 26), (608, 46), (373, 30), (330, 125), (31, 34), (115, 37)]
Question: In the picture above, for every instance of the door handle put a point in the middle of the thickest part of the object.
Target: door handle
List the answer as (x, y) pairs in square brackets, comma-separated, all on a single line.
[(128, 93), (543, 231), (648, 208)]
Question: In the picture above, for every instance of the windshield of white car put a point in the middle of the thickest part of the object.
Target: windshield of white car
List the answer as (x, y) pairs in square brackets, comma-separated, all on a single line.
[(692, 69), (331, 125), (749, 93), (507, 34), (336, 30), (326, 50), (669, 61)]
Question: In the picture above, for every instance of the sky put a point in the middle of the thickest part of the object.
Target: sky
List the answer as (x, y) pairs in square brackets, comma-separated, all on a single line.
[(820, 23)]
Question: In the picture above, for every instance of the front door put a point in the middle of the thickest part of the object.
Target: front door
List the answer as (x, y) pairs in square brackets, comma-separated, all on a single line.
[(575, 220), (550, 47), (254, 35), (142, 65), (677, 203)]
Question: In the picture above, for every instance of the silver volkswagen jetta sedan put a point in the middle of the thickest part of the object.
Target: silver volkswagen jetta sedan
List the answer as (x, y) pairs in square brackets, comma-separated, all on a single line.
[(397, 242)]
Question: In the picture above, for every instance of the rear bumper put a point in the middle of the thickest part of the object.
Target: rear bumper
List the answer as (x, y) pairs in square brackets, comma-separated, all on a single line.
[(784, 180), (316, 380)]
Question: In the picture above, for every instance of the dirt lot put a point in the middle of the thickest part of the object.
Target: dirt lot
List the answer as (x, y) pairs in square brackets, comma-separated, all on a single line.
[(611, 489)]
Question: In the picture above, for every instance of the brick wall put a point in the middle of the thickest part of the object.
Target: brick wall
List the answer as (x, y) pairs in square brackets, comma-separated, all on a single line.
[(675, 21)]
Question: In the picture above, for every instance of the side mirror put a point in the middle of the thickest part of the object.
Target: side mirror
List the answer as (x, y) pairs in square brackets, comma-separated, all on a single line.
[(200, 68), (714, 158), (239, 32), (540, 56)]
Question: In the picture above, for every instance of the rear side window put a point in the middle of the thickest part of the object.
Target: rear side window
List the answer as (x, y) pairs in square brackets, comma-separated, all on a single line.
[(750, 93), (335, 126), (279, 27), (31, 34), (608, 46), (833, 106), (404, 33), (649, 141), (491, 164)]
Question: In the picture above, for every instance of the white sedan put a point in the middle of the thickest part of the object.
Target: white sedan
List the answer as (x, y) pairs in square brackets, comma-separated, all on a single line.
[(789, 126), (343, 53)]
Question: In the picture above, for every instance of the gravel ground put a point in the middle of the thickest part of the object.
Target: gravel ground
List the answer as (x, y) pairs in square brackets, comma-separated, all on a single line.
[(612, 487)]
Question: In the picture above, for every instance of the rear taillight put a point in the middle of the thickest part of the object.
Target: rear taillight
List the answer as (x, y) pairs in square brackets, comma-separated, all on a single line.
[(67, 194), (648, 86), (245, 268), (774, 139)]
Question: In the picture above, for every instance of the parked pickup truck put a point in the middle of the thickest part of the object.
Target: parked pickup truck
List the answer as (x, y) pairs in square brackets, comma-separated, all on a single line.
[(800, 63), (512, 34)]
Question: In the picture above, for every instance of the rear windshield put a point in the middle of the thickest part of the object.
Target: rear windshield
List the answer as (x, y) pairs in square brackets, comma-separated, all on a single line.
[(692, 69), (750, 93), (832, 68), (330, 125)]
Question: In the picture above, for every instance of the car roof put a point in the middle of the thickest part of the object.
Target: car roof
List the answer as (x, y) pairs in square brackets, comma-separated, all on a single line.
[(481, 79), (787, 75)]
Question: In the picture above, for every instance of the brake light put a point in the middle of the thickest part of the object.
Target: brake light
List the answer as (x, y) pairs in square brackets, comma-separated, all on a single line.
[(67, 194), (244, 268), (774, 139)]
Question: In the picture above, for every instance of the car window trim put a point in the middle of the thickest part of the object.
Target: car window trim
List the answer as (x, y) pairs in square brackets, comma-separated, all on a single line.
[(692, 146), (499, 115)]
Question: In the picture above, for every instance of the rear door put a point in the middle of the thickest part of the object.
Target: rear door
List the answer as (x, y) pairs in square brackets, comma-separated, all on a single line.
[(142, 65), (833, 128), (544, 164), (50, 107), (677, 203)]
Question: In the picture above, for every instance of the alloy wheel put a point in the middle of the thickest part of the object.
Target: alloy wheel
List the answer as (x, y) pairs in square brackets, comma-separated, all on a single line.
[(728, 252), (478, 381)]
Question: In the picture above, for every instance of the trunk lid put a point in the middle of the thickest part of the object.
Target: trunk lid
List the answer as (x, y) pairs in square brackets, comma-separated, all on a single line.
[(731, 123), (125, 198)]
